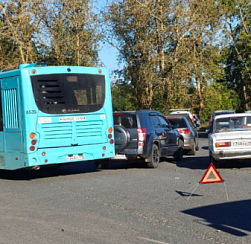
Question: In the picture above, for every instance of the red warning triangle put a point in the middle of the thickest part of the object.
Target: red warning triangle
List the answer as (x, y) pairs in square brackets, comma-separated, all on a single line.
[(211, 176)]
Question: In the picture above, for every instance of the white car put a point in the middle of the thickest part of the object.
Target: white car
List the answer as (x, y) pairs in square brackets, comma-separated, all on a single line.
[(230, 138), (182, 111)]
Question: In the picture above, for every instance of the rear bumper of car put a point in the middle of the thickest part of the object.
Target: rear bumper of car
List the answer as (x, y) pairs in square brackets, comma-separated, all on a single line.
[(188, 143), (126, 154), (224, 155)]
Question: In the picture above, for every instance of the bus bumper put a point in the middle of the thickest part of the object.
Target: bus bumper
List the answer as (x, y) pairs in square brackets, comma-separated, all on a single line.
[(47, 156)]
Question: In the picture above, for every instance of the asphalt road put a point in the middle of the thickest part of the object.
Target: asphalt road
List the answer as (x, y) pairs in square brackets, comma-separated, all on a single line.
[(127, 203)]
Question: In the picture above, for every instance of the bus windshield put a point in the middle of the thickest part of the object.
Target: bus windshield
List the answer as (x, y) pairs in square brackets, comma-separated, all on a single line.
[(68, 93)]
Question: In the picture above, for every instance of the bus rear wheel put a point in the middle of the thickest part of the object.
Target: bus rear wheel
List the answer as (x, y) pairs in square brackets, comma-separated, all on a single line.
[(101, 164)]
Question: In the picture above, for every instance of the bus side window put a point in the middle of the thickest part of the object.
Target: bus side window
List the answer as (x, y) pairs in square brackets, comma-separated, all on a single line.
[(1, 114)]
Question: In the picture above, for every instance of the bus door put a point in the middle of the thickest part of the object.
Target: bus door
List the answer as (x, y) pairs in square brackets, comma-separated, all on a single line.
[(13, 143), (1, 133)]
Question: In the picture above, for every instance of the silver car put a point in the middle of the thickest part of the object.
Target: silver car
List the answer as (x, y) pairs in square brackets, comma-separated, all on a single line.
[(186, 128)]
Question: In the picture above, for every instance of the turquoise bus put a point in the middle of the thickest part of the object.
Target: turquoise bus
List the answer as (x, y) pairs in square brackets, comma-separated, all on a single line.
[(52, 115)]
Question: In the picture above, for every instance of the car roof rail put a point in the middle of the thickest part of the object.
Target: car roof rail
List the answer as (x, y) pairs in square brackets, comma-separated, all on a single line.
[(179, 109)]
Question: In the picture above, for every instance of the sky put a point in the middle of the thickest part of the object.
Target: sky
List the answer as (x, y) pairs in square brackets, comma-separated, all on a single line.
[(108, 54)]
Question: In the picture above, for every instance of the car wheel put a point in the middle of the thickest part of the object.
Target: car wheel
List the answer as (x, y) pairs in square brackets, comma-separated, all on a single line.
[(101, 164), (197, 148), (216, 163), (154, 158), (178, 155), (192, 152)]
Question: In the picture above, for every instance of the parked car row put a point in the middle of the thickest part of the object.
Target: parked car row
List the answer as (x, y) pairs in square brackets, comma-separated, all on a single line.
[(149, 135)]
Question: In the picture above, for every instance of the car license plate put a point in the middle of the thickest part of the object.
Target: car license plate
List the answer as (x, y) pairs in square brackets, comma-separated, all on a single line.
[(240, 143), (74, 157)]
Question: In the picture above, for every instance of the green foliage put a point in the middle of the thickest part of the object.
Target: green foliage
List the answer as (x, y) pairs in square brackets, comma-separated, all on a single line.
[(58, 32), (219, 97), (122, 96), (236, 55)]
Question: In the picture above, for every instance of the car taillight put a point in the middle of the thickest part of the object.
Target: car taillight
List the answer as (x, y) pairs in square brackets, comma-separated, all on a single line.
[(141, 134), (185, 131), (223, 144)]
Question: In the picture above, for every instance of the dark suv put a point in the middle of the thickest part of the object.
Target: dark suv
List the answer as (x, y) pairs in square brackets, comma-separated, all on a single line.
[(146, 134)]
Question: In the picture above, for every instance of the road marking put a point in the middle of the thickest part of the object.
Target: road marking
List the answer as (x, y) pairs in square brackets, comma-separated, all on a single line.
[(154, 241)]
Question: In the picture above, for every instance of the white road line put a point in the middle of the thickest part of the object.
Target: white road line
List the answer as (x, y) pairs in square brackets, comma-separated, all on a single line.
[(151, 240)]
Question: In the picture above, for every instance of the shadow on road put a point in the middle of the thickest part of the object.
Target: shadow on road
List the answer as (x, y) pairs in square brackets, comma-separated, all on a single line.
[(194, 162), (66, 169), (231, 217), (204, 148), (124, 164)]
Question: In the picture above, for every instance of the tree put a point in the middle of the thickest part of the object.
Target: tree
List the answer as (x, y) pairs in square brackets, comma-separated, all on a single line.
[(69, 31), (169, 48), (238, 48), (122, 99), (17, 30)]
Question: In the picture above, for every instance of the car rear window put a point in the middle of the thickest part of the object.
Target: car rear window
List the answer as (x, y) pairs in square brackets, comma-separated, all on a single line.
[(181, 122), (126, 120)]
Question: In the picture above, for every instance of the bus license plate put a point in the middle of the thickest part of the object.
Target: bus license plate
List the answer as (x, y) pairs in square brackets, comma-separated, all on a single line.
[(74, 157)]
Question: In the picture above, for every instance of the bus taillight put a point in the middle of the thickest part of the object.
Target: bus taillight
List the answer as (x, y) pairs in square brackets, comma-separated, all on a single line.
[(32, 148), (33, 142), (110, 130), (43, 153), (32, 135)]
